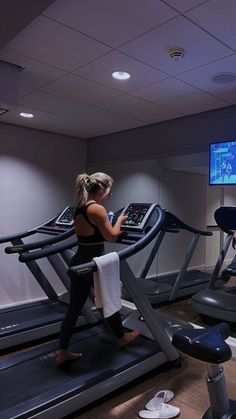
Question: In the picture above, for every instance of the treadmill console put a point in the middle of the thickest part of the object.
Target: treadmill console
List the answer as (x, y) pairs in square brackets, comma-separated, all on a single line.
[(138, 215), (66, 218)]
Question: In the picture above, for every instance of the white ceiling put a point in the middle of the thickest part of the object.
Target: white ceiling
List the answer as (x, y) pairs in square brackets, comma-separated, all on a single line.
[(70, 49)]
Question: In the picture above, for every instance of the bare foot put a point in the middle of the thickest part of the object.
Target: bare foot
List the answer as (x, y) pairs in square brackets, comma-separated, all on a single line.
[(64, 356), (127, 338)]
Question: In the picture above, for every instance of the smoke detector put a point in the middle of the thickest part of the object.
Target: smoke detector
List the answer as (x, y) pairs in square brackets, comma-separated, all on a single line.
[(176, 53)]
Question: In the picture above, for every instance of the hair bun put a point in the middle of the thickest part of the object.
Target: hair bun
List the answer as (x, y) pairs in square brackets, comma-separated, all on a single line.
[(87, 180)]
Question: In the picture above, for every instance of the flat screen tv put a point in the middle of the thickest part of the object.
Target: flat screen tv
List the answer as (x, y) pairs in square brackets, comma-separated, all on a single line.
[(222, 165)]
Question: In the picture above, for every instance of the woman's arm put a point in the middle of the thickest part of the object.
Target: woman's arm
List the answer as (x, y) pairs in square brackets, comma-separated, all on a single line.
[(98, 216)]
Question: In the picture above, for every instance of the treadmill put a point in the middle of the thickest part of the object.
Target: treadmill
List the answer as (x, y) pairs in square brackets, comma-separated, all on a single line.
[(51, 392), (220, 302), (33, 320), (185, 282)]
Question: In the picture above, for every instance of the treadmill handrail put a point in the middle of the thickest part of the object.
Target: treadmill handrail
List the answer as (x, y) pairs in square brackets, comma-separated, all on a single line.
[(178, 224), (125, 253), (40, 243), (21, 235), (128, 251), (25, 233), (47, 251)]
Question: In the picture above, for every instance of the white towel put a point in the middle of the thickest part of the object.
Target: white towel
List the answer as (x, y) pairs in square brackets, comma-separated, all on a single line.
[(107, 288)]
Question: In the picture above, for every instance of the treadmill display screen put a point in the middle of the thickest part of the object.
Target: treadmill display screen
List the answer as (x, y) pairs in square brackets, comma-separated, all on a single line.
[(66, 218), (137, 215)]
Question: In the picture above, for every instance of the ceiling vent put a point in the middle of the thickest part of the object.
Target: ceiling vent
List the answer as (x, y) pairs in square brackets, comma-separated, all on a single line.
[(176, 53), (9, 82), (224, 78)]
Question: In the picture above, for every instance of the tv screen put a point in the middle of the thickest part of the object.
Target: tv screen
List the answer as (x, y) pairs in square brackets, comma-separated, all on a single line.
[(222, 165)]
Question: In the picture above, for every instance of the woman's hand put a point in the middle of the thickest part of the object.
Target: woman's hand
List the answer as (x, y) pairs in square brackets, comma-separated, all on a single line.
[(122, 218)]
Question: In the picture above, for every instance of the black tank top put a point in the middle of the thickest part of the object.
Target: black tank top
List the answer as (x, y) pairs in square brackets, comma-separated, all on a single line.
[(97, 236)]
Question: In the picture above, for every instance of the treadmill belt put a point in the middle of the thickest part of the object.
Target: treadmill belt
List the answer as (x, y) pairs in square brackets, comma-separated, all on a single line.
[(32, 379), (16, 321), (191, 277)]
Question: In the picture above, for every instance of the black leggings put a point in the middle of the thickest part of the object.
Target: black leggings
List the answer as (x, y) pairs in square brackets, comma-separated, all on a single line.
[(80, 289)]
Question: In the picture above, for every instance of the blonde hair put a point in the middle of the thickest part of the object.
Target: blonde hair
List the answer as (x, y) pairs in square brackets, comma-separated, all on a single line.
[(86, 184)]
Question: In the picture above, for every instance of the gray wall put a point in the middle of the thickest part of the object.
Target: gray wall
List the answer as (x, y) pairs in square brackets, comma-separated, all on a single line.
[(37, 174), (188, 134)]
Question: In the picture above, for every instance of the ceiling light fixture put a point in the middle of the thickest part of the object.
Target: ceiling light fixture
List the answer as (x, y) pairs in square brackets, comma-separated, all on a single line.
[(224, 78), (26, 115), (121, 75), (176, 53)]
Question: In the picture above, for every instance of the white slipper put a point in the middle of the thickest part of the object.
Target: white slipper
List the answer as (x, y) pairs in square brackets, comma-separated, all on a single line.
[(162, 396), (165, 411)]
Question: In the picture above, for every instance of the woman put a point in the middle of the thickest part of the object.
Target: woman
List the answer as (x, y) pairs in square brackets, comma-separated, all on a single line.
[(92, 227)]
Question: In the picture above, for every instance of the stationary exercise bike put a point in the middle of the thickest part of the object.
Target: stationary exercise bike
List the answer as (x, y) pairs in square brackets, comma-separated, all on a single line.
[(209, 346)]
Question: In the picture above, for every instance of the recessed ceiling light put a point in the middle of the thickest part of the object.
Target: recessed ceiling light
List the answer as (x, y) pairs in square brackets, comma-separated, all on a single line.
[(224, 78), (26, 115), (121, 75)]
